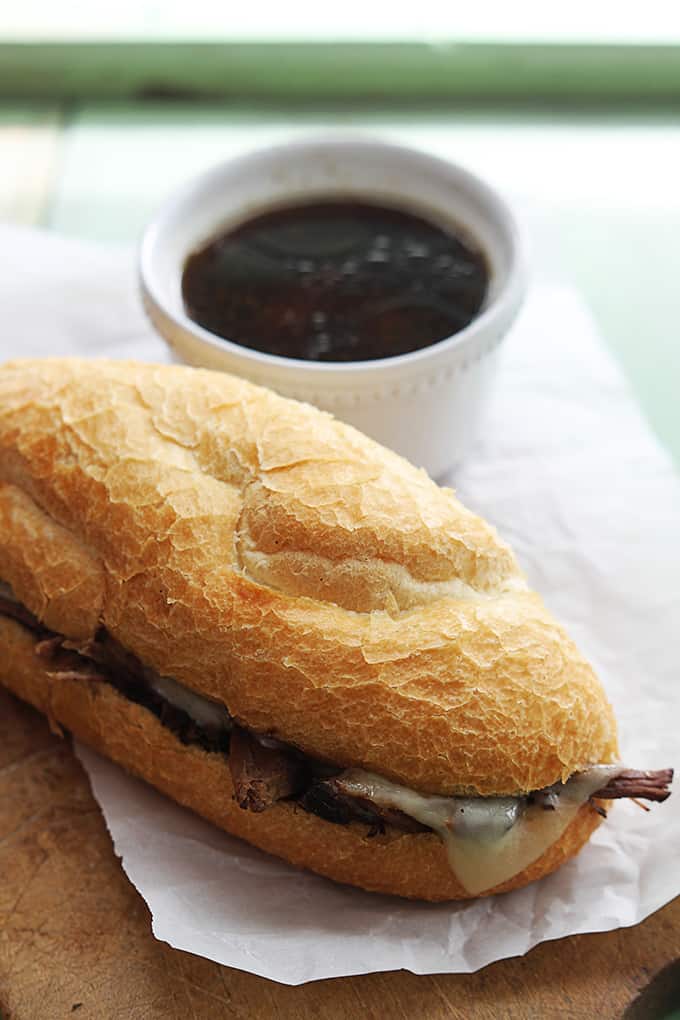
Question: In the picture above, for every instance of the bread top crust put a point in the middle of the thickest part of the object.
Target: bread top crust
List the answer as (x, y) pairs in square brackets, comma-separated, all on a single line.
[(271, 557)]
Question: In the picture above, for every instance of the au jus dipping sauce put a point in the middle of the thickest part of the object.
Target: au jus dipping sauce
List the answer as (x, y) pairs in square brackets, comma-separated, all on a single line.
[(336, 281)]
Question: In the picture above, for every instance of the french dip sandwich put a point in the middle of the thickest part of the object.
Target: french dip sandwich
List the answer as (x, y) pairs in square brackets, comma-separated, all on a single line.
[(291, 631)]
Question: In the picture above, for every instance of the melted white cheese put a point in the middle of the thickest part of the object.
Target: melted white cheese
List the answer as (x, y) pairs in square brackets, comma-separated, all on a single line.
[(488, 839), (202, 710)]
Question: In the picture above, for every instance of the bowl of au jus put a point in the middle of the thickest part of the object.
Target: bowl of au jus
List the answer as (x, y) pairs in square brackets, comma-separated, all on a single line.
[(372, 280)]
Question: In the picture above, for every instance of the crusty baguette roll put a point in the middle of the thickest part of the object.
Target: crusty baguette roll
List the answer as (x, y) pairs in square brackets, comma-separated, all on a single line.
[(413, 865), (328, 593)]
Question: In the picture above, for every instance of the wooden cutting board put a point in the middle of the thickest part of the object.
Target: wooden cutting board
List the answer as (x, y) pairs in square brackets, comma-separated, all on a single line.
[(75, 937)]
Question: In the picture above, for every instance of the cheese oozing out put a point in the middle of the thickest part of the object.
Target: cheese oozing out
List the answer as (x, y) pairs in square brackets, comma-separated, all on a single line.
[(488, 840)]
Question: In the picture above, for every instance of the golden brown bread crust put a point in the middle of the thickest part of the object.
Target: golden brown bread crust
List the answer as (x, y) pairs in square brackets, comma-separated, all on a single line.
[(410, 865), (271, 557)]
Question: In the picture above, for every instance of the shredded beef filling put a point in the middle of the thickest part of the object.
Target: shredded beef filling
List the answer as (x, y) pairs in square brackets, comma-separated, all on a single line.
[(104, 660), (643, 785), (262, 775), (15, 610), (263, 771), (329, 799)]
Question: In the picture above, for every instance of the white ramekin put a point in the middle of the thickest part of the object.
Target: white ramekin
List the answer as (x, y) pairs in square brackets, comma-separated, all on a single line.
[(424, 405)]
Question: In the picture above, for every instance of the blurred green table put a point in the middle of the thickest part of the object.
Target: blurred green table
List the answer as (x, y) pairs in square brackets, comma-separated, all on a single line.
[(598, 192)]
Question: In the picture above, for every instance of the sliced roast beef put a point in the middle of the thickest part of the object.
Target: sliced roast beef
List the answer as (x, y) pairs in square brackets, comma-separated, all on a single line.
[(16, 611), (330, 799), (639, 785), (261, 775), (263, 772)]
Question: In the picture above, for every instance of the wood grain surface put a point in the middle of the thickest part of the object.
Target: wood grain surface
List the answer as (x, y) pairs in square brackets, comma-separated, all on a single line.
[(75, 937)]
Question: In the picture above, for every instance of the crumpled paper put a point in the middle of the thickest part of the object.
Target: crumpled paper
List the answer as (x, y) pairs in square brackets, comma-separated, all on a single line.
[(571, 475)]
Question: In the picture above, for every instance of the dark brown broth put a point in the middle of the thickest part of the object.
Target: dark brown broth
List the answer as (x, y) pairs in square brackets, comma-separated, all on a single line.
[(335, 281)]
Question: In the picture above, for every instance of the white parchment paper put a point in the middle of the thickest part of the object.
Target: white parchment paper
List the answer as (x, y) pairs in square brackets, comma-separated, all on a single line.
[(571, 475)]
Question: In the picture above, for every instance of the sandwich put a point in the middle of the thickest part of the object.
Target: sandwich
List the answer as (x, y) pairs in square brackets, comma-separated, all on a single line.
[(293, 632)]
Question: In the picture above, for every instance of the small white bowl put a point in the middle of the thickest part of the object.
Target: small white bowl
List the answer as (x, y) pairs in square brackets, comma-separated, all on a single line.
[(425, 405)]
